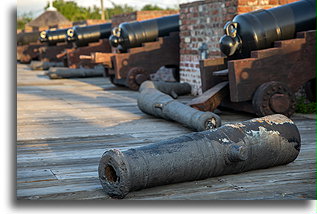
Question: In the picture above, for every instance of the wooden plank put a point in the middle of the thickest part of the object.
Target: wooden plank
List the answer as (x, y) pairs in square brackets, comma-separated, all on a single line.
[(211, 99)]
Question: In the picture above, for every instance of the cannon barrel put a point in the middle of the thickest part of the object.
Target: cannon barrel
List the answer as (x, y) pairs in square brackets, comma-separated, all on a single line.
[(233, 148), (82, 36), (156, 103), (174, 89), (27, 38), (133, 34), (259, 29), (52, 37)]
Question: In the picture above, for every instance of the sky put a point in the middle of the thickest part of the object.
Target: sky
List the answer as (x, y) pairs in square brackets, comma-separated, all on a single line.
[(36, 7)]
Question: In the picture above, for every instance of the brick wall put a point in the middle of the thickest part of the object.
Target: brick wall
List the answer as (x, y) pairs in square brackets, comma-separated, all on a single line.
[(202, 22), (140, 15), (90, 22)]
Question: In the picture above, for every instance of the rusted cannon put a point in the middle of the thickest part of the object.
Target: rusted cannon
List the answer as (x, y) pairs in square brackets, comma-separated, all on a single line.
[(64, 72), (233, 148), (259, 29), (156, 103), (43, 65)]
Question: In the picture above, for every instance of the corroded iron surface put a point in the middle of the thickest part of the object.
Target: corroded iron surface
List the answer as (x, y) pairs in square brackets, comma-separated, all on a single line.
[(42, 65), (64, 72), (234, 148), (156, 103)]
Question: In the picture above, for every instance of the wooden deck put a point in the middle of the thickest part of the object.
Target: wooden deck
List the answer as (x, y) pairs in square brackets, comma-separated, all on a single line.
[(64, 126)]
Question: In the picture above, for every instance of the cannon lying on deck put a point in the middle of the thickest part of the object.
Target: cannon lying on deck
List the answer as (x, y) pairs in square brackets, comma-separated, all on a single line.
[(233, 148), (271, 55), (154, 102)]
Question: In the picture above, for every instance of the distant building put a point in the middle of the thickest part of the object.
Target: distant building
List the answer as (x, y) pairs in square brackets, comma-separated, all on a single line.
[(51, 18)]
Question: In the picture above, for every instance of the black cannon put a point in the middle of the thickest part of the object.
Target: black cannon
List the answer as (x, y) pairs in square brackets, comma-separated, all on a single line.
[(52, 37), (27, 38), (133, 34), (259, 29), (82, 36)]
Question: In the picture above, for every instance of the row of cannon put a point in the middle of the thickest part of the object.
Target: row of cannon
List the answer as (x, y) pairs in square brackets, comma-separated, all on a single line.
[(245, 33)]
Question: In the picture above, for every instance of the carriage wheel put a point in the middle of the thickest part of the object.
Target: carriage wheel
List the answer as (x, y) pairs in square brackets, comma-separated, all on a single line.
[(136, 76), (273, 98)]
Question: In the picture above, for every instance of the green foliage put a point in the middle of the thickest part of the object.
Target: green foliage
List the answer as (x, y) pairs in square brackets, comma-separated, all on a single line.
[(151, 7), (119, 9), (23, 19), (73, 12), (302, 106)]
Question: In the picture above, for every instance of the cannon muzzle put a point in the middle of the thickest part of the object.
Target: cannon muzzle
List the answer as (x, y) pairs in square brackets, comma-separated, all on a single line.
[(70, 35)]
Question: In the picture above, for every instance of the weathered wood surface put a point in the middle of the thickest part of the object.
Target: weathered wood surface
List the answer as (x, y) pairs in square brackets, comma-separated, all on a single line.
[(64, 126), (73, 55)]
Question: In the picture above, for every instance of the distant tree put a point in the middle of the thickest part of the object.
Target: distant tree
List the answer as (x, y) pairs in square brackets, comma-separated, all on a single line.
[(73, 12), (94, 12), (23, 19), (151, 7), (119, 9)]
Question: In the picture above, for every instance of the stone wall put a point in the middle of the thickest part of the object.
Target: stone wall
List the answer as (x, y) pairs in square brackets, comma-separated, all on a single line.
[(202, 22)]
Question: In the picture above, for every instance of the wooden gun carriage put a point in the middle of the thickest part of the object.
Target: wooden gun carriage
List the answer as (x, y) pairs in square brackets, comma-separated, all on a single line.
[(264, 83), (134, 67)]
